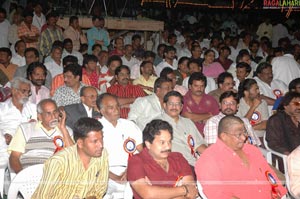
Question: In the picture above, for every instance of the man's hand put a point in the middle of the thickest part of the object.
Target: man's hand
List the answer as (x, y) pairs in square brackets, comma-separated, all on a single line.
[(62, 118), (192, 191)]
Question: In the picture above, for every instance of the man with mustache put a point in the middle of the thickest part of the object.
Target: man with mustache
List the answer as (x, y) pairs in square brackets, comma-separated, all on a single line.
[(199, 106), (124, 90), (229, 103), (36, 73), (35, 142), (231, 168), (157, 172), (186, 138)]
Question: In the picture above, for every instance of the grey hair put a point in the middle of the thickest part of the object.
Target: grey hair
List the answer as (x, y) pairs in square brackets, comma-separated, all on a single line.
[(41, 104), (15, 82)]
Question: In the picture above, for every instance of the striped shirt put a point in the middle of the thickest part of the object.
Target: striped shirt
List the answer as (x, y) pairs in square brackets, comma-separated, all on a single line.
[(23, 30), (64, 176), (47, 38), (128, 91)]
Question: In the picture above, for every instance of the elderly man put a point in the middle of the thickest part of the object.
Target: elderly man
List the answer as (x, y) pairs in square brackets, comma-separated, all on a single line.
[(35, 142), (122, 138), (244, 173), (79, 171), (283, 131), (16, 109), (86, 108), (186, 137), (157, 172), (144, 109), (229, 103)]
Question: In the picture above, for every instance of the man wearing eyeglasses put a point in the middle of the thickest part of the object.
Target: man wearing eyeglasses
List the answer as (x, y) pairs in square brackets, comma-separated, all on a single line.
[(35, 142), (229, 105), (283, 129), (231, 168), (186, 138), (16, 109)]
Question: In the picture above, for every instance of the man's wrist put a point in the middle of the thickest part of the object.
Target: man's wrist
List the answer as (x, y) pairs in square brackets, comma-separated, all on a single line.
[(186, 191)]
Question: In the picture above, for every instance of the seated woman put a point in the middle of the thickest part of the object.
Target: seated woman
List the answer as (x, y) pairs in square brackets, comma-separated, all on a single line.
[(210, 68)]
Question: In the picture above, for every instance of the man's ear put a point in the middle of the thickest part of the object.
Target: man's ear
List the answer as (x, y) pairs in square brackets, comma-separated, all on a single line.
[(80, 143), (148, 144)]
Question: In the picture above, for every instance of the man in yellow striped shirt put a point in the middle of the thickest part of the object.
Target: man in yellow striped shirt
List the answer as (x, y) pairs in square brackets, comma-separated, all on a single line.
[(79, 171)]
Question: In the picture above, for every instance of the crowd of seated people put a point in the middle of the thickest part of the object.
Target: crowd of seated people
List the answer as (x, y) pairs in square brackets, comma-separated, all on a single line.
[(159, 118)]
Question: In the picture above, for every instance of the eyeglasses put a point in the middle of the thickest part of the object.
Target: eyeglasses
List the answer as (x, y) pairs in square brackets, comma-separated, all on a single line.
[(25, 92), (238, 136), (91, 96), (177, 104), (228, 103), (296, 103)]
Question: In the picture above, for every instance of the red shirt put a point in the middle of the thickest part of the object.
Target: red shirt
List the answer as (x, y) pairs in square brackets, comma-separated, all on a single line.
[(93, 77), (207, 105), (223, 174), (225, 64), (128, 91), (116, 52), (143, 164)]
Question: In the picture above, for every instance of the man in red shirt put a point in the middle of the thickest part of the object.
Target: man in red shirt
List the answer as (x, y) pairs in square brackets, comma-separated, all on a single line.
[(157, 172), (232, 169), (125, 90)]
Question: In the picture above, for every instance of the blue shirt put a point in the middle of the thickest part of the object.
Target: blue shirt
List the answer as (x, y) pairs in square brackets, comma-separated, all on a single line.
[(97, 34)]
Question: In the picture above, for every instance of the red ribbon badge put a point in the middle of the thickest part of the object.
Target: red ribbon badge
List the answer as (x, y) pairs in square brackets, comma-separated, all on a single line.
[(129, 146), (191, 143), (59, 143), (178, 181), (255, 117), (277, 93), (273, 183)]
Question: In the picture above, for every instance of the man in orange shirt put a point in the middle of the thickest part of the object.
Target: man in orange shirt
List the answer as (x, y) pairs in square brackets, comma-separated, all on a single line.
[(5, 65)]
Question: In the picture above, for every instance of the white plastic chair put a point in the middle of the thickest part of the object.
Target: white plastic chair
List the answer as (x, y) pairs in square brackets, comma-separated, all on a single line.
[(25, 182), (200, 190)]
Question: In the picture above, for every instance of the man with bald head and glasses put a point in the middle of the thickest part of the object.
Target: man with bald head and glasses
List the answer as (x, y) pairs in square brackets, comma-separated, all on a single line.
[(231, 168), (283, 129)]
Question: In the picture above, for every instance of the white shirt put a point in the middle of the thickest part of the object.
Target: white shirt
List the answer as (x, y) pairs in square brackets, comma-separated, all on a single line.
[(75, 54), (234, 53), (11, 117), (38, 21), (144, 109), (4, 28), (211, 84), (54, 68), (280, 31), (165, 64), (285, 68), (116, 138), (3, 152), (130, 62), (18, 60), (184, 52), (88, 110), (135, 72)]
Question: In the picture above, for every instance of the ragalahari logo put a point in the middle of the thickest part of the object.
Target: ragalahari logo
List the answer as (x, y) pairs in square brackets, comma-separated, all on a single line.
[(283, 5)]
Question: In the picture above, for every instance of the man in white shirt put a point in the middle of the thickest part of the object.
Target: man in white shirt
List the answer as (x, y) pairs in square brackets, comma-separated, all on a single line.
[(19, 57), (55, 65), (122, 139), (69, 50), (127, 58), (4, 27), (39, 18), (169, 60)]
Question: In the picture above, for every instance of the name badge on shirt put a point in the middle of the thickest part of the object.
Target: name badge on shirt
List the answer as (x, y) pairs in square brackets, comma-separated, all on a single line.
[(273, 183), (277, 93), (191, 143), (129, 146), (59, 143), (255, 117)]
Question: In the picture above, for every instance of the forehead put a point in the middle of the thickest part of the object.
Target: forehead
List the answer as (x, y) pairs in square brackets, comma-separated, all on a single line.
[(89, 90), (24, 85), (109, 100), (229, 99), (164, 135), (198, 82), (38, 70), (49, 106), (174, 99)]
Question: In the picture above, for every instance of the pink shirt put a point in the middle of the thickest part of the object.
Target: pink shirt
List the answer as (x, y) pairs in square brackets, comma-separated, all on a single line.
[(43, 93), (213, 70), (207, 105), (223, 174)]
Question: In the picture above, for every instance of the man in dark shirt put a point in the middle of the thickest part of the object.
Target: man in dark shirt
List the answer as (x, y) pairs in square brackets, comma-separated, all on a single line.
[(283, 129)]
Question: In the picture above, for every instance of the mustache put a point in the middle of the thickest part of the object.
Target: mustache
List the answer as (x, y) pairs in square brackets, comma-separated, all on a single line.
[(166, 151)]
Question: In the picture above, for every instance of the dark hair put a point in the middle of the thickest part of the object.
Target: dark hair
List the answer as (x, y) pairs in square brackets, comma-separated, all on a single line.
[(226, 48), (197, 76), (262, 66), (160, 46), (227, 94), (194, 61), (75, 69), (183, 59), (72, 19), (244, 65), (34, 50), (173, 94), (89, 58), (51, 15), (287, 98), (153, 128), (18, 42), (82, 90), (159, 81), (164, 73), (227, 122), (3, 11), (245, 86), (94, 18), (6, 50), (144, 64), (66, 41), (27, 13), (277, 50), (70, 59), (136, 36), (101, 97), (241, 54), (194, 47), (222, 76), (293, 84), (95, 46), (209, 51), (84, 126), (119, 68), (114, 58), (148, 54), (252, 42), (169, 49), (33, 66)]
